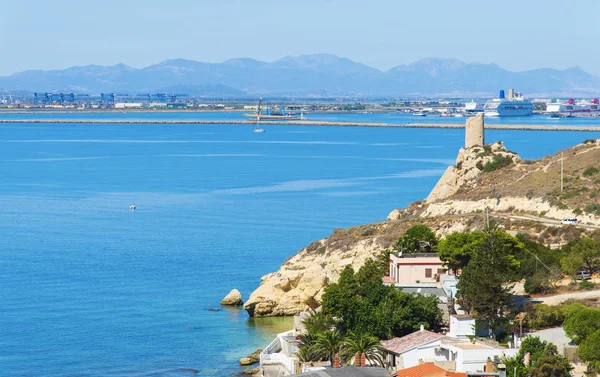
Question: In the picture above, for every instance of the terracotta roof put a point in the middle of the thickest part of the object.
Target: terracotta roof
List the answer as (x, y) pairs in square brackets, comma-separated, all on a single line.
[(455, 374), (410, 341), (427, 369)]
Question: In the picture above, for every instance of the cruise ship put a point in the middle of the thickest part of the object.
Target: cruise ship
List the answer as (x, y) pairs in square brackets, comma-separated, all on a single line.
[(572, 109), (513, 106)]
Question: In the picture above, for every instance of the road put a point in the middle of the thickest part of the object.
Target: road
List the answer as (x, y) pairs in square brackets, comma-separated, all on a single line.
[(542, 220)]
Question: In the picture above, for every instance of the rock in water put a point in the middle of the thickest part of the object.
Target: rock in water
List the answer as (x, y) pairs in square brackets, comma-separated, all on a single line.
[(246, 361), (233, 298)]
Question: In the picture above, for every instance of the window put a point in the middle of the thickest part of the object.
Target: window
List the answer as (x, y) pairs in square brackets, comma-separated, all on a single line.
[(428, 272)]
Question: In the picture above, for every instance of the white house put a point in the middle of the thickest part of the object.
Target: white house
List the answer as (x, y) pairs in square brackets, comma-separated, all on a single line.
[(453, 351)]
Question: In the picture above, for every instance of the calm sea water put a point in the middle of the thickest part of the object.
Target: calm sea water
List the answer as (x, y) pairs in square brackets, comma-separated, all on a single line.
[(90, 288)]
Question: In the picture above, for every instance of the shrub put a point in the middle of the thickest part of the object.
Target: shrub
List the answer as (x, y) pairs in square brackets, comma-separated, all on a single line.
[(586, 285), (592, 208), (542, 316), (577, 211), (538, 283), (562, 206), (592, 194), (497, 163), (529, 194), (589, 172), (543, 213), (589, 141)]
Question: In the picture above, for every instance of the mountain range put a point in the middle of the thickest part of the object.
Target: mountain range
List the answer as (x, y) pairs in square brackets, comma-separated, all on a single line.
[(317, 75)]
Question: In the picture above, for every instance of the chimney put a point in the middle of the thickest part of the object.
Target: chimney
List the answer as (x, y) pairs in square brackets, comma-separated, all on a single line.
[(357, 360), (336, 362), (422, 328), (501, 370), (489, 366), (363, 360)]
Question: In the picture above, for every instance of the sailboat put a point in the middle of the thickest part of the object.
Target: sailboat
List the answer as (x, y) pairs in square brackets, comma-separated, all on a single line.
[(257, 127)]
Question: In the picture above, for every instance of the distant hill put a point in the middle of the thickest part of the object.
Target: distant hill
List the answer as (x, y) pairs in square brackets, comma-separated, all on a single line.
[(308, 75)]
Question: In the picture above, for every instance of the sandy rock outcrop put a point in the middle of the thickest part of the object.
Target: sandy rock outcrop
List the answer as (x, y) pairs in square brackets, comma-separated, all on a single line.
[(233, 298), (298, 285), (469, 164)]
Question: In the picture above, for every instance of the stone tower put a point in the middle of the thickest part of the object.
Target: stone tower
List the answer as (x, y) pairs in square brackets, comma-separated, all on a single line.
[(474, 131)]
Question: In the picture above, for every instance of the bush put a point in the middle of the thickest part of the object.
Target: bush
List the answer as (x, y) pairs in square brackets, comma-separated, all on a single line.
[(586, 285), (538, 283), (592, 208), (562, 206), (542, 316), (592, 194), (589, 172), (577, 211), (497, 163)]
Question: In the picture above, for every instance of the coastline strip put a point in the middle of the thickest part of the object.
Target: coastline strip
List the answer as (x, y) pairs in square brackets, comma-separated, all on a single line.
[(489, 126)]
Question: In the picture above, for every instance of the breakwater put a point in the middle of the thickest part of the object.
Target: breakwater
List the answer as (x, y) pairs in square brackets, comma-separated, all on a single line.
[(489, 126)]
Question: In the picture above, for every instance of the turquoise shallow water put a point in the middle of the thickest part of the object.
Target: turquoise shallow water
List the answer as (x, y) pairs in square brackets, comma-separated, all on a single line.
[(89, 288)]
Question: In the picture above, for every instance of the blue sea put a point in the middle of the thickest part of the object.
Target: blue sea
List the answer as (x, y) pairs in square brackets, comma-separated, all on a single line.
[(90, 288)]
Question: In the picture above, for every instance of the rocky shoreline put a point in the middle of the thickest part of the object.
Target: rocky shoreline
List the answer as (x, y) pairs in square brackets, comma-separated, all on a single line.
[(484, 178)]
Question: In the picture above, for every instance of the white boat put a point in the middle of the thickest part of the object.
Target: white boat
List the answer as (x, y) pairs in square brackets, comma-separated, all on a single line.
[(572, 109), (418, 114), (508, 107), (257, 129), (132, 207), (473, 107)]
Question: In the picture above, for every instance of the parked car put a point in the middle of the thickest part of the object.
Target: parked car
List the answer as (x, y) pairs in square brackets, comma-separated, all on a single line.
[(569, 221), (583, 275)]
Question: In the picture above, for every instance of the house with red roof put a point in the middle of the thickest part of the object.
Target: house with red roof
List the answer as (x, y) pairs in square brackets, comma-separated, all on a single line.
[(427, 370)]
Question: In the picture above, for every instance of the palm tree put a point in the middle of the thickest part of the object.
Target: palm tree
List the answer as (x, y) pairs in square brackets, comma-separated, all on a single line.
[(318, 322), (307, 350), (359, 345), (329, 344)]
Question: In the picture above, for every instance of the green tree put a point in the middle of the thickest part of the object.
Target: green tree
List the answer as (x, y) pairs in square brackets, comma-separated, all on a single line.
[(457, 249), (589, 251), (580, 324), (551, 366), (357, 345), (589, 350), (571, 263), (544, 360), (307, 350), (484, 287), (329, 344), (363, 305), (318, 322), (417, 239)]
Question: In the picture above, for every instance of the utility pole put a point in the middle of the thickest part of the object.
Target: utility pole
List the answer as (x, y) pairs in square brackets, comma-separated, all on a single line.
[(562, 171), (487, 218)]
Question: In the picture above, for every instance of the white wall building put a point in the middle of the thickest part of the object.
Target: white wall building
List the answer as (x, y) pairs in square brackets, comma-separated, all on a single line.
[(453, 351), (416, 268)]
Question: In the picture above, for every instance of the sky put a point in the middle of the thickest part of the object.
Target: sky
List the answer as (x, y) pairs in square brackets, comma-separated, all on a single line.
[(517, 35)]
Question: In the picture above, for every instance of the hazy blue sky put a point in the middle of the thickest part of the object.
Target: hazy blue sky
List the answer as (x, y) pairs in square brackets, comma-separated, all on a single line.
[(518, 35)]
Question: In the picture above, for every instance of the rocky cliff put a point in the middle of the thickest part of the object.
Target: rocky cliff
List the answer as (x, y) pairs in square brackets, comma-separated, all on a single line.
[(523, 196)]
